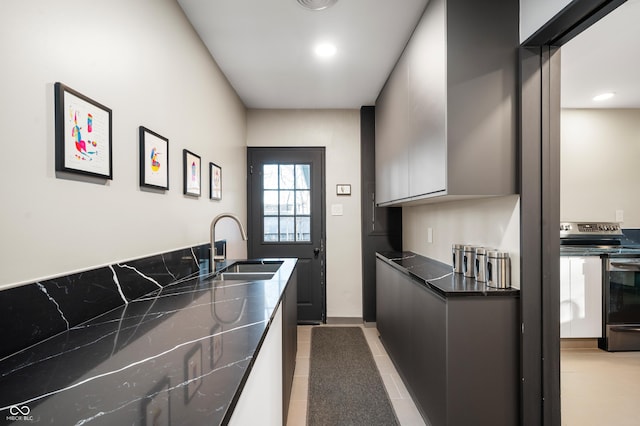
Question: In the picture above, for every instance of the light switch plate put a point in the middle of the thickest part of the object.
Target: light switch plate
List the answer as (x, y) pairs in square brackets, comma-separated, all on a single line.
[(336, 210)]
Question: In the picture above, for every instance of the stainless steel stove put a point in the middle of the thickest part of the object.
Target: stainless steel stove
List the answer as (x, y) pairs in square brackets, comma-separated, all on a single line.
[(620, 258)]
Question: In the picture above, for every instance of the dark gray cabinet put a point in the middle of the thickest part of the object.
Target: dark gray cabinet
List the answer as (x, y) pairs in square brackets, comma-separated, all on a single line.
[(446, 117), (458, 355)]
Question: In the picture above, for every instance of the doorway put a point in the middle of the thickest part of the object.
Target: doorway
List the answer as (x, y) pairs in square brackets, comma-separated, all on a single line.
[(540, 206), (285, 217)]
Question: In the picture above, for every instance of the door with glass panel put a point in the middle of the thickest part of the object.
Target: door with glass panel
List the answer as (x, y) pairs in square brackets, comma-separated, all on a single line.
[(285, 202)]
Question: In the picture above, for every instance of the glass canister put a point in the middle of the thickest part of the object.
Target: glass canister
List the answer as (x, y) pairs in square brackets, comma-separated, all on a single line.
[(457, 251), (498, 269)]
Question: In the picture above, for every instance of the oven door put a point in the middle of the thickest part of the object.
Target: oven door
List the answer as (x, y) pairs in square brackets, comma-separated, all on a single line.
[(622, 304)]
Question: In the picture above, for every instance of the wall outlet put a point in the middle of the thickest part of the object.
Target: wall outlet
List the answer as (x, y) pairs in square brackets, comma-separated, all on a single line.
[(430, 235), (619, 215)]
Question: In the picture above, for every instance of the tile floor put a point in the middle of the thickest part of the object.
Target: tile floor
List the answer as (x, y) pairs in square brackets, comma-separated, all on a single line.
[(599, 388), (403, 405)]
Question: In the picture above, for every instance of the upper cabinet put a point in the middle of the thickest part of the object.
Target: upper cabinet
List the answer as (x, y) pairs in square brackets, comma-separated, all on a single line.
[(446, 117)]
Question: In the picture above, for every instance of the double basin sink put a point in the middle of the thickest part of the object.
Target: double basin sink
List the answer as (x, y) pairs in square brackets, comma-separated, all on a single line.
[(249, 270)]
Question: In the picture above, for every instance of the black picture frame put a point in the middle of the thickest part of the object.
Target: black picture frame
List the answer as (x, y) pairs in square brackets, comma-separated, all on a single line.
[(75, 115), (155, 407), (192, 372), (215, 346), (191, 173), (154, 159), (215, 182)]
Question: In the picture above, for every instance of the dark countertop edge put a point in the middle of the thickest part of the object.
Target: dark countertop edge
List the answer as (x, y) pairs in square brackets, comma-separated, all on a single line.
[(236, 396), (445, 293)]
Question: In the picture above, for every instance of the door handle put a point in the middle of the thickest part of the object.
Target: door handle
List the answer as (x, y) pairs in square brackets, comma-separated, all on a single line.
[(316, 252)]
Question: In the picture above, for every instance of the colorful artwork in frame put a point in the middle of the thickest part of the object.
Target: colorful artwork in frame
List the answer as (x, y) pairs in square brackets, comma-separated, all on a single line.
[(83, 134), (154, 159), (215, 181), (191, 173)]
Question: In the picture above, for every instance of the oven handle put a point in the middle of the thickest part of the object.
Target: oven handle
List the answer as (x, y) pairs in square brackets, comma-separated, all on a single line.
[(624, 267), (624, 329)]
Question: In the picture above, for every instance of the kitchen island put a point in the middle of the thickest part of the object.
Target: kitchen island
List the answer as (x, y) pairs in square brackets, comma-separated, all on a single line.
[(183, 354), (454, 341)]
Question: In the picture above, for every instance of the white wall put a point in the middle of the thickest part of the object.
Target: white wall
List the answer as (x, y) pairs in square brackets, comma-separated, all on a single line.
[(143, 60), (535, 13), (491, 222), (339, 132), (600, 150)]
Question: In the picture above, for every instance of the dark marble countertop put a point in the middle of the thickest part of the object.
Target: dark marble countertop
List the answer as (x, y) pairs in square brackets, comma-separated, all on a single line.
[(439, 276), (181, 352)]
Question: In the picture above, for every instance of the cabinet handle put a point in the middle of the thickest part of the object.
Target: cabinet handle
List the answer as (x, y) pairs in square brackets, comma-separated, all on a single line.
[(373, 211)]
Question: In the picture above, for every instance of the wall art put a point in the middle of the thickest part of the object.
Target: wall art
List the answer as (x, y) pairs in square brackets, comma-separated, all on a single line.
[(192, 372), (191, 173), (83, 134), (154, 159), (215, 181), (215, 345), (156, 405)]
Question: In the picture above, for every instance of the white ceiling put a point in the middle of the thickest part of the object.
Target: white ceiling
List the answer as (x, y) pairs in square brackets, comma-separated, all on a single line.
[(265, 48), (604, 58)]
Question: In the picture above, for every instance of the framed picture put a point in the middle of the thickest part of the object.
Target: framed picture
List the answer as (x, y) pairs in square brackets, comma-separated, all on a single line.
[(191, 173), (83, 134), (154, 159), (343, 189), (192, 372), (156, 405), (215, 182), (215, 345)]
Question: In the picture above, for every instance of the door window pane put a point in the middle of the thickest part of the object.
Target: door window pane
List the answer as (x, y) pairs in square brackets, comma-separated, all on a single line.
[(270, 176), (270, 200), (287, 229), (303, 202), (303, 176), (286, 190), (270, 229), (287, 201), (303, 229), (287, 180)]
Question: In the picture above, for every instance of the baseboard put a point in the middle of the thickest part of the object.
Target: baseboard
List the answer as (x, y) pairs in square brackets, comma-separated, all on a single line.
[(578, 343), (344, 320)]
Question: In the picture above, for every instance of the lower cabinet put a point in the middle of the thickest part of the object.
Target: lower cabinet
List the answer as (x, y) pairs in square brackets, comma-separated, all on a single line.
[(580, 297), (457, 355), (261, 399), (265, 397)]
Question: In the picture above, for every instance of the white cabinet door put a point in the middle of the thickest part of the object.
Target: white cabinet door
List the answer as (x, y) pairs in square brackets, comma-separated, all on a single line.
[(565, 297), (581, 297)]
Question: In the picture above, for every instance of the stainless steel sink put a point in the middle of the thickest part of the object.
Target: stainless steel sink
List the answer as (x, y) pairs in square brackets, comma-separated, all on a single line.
[(244, 276), (249, 271), (253, 266)]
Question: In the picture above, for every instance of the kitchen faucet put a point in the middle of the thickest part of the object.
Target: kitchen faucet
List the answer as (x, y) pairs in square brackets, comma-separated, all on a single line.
[(212, 234)]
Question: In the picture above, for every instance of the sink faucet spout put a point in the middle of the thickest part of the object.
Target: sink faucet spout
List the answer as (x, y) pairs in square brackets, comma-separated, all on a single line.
[(212, 234)]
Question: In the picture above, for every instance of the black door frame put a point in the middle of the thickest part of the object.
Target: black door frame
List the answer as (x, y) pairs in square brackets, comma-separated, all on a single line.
[(323, 225), (540, 207)]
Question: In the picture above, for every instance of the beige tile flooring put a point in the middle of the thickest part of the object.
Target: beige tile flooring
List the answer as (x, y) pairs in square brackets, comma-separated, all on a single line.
[(403, 405), (599, 387)]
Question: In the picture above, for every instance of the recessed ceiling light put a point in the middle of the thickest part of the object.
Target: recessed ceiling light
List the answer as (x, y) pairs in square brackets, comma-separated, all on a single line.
[(317, 4), (604, 96), (325, 50)]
